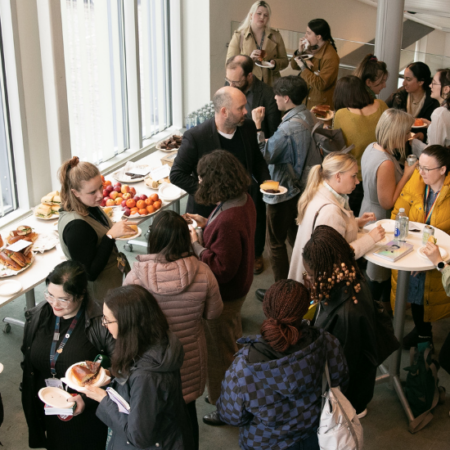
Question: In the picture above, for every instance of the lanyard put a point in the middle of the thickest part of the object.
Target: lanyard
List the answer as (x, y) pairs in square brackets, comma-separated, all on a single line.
[(214, 213), (430, 211), (54, 355), (259, 47)]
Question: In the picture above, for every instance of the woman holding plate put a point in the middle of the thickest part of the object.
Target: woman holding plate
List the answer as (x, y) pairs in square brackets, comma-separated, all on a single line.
[(263, 44), (426, 199), (59, 332), (86, 233)]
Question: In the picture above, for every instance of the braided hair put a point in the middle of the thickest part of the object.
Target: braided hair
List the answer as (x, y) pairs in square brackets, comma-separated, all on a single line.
[(332, 260), (285, 304)]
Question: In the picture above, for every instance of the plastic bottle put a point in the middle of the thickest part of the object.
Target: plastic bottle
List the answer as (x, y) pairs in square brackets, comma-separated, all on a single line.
[(401, 226)]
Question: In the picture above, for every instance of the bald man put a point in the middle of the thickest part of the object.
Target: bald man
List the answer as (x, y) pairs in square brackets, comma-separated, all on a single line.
[(229, 130)]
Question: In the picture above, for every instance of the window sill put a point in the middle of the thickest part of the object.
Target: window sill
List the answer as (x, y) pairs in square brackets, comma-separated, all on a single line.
[(16, 215)]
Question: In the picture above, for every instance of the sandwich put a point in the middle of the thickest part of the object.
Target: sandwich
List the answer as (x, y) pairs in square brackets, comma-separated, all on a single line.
[(321, 110), (52, 199), (6, 261), (19, 258), (56, 201), (272, 187), (155, 184), (86, 373), (44, 211)]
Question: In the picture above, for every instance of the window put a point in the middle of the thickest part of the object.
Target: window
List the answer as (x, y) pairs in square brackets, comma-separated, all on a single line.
[(8, 197), (154, 59), (96, 81)]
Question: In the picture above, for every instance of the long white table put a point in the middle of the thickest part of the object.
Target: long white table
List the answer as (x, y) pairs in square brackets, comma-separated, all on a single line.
[(45, 262), (409, 263)]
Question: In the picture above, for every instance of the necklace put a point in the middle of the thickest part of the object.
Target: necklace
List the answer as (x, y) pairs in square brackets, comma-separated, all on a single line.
[(418, 101)]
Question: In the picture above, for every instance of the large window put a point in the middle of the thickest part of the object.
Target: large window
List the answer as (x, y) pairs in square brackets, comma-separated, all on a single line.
[(96, 80), (154, 59), (8, 198)]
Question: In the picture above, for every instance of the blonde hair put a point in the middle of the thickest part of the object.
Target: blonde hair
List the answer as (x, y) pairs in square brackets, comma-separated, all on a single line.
[(247, 21), (71, 175), (391, 131), (332, 164)]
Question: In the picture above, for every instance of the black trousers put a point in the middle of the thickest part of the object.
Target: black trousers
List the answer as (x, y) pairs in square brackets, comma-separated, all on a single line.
[(355, 199), (361, 385), (444, 355), (422, 327), (192, 411)]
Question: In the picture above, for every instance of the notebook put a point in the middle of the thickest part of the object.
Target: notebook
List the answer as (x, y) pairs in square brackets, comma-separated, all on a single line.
[(394, 250)]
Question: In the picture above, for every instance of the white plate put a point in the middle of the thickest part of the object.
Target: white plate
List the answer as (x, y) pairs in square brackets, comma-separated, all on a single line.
[(127, 238), (55, 226), (443, 252), (282, 190), (9, 287), (122, 178), (165, 150), (265, 64), (52, 217), (55, 397), (192, 225), (420, 126), (45, 242), (169, 192), (5, 272), (330, 115), (102, 380)]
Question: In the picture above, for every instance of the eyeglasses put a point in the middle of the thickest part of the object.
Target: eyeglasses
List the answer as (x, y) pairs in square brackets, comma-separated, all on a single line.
[(426, 169), (49, 297), (234, 83), (105, 322), (435, 84)]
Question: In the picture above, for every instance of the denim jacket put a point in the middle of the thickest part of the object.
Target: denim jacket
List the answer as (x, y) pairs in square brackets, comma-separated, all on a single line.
[(289, 145)]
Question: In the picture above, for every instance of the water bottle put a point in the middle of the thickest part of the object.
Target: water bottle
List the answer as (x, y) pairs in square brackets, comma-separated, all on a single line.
[(201, 117), (401, 226), (194, 122)]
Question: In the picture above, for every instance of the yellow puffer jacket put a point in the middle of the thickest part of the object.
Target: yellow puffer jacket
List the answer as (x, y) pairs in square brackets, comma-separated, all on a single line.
[(436, 302)]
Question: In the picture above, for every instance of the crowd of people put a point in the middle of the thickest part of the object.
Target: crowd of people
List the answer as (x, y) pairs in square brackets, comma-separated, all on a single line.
[(171, 324)]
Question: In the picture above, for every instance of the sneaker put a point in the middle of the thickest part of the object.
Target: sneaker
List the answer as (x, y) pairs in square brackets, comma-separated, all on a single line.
[(362, 414), (213, 419), (411, 339)]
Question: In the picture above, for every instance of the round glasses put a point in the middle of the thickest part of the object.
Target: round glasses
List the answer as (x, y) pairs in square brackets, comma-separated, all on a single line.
[(105, 322), (49, 297)]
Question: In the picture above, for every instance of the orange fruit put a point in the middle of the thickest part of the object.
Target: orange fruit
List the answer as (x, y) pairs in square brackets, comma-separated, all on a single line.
[(150, 209), (140, 204), (107, 183), (134, 211), (154, 197), (119, 194), (118, 201), (148, 201), (131, 203), (143, 212), (157, 204), (103, 178)]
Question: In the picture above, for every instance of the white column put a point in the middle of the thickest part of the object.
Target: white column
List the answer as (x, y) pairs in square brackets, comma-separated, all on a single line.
[(388, 39), (421, 49)]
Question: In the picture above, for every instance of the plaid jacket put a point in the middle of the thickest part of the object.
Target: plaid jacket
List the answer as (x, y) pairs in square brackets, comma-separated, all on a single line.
[(278, 403)]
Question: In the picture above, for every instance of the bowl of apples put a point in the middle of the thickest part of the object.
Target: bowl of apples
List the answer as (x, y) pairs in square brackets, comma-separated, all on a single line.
[(114, 195), (141, 206)]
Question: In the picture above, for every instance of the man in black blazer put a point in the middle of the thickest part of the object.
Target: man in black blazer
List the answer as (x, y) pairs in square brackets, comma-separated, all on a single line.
[(229, 130), (239, 75)]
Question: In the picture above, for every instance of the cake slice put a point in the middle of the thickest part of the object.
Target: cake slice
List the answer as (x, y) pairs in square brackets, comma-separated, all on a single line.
[(270, 186)]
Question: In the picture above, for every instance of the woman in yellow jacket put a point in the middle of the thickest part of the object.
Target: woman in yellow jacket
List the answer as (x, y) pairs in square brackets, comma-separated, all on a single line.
[(426, 199), (256, 39)]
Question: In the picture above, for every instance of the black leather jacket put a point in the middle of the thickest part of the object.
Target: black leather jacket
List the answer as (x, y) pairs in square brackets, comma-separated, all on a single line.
[(97, 334)]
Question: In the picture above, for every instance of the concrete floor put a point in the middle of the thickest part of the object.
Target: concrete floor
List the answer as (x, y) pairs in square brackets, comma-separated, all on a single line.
[(385, 426)]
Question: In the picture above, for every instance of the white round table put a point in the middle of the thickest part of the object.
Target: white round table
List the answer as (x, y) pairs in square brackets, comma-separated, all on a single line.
[(413, 261)]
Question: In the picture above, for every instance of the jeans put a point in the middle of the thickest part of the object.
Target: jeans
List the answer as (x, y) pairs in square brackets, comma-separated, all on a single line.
[(310, 443)]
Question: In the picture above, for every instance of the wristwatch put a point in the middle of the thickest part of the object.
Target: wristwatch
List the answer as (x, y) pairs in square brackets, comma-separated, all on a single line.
[(441, 266)]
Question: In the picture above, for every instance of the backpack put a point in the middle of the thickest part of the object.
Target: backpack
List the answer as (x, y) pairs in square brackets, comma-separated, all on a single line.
[(421, 389), (339, 426)]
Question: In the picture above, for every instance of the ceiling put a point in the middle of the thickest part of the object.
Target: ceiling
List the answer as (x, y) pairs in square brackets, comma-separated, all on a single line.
[(434, 13)]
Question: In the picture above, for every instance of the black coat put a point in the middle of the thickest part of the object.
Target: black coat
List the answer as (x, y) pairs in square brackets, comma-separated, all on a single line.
[(203, 139), (97, 334), (354, 326), (158, 416)]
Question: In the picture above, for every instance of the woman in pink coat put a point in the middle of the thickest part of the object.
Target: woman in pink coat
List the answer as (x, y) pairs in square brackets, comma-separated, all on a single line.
[(187, 292)]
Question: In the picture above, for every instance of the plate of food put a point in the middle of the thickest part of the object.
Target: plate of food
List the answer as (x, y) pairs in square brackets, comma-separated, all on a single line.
[(443, 252), (265, 64), (132, 174), (419, 123), (323, 112), (170, 144), (141, 206), (152, 184), (271, 187), (56, 397), (13, 263), (133, 236), (45, 212), (22, 232), (45, 242), (86, 373)]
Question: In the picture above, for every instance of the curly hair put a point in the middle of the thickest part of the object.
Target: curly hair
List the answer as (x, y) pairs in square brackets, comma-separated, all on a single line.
[(285, 304), (222, 176)]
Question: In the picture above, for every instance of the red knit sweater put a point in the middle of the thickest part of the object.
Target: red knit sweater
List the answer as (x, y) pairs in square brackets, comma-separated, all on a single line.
[(230, 249)]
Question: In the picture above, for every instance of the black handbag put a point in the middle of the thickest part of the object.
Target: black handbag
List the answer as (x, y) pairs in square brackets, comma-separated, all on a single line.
[(387, 343)]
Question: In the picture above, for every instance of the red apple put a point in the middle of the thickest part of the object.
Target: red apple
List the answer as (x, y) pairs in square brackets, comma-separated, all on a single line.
[(125, 189), (143, 197), (126, 196), (127, 211), (109, 188), (105, 192), (103, 203), (113, 195), (117, 188), (132, 191), (136, 198), (124, 203)]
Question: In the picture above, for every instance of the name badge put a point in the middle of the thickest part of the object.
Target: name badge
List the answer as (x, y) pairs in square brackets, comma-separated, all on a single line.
[(54, 382)]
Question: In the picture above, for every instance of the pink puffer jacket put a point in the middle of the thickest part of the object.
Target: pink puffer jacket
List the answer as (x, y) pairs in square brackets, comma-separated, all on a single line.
[(187, 291)]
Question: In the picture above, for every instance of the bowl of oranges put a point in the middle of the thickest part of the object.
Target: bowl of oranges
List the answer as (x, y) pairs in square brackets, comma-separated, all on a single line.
[(141, 206)]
